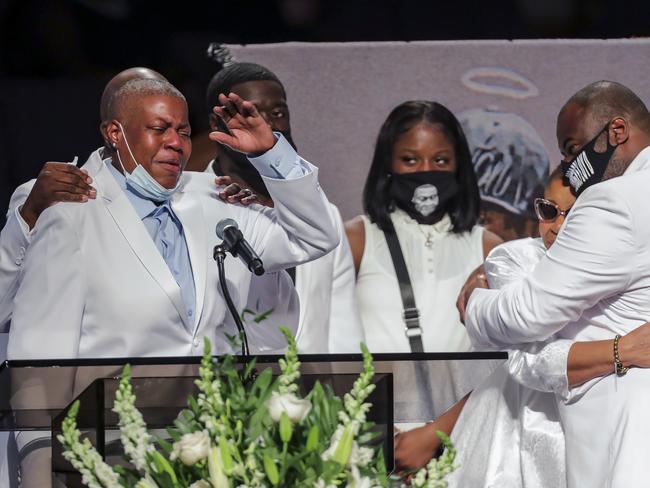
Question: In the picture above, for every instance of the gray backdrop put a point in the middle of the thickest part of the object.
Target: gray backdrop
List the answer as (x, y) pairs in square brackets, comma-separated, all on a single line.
[(340, 93)]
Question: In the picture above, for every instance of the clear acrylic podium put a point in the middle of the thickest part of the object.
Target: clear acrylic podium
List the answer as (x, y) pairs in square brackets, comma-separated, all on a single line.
[(34, 395)]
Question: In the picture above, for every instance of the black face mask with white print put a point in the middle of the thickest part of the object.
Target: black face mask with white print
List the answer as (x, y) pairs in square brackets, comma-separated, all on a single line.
[(424, 195), (588, 167)]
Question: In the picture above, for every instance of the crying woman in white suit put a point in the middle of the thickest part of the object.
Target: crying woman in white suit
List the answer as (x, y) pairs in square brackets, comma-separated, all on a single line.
[(133, 266)]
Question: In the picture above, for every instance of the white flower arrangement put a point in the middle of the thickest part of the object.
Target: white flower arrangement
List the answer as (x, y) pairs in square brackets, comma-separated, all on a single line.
[(248, 431)]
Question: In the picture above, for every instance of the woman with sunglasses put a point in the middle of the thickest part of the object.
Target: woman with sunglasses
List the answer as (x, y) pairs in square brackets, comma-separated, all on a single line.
[(507, 431)]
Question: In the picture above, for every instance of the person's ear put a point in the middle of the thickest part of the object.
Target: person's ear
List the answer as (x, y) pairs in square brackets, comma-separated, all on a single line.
[(112, 133), (619, 131), (102, 130)]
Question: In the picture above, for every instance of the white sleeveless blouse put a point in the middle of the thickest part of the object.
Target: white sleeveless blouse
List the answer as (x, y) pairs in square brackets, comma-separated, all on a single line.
[(438, 263)]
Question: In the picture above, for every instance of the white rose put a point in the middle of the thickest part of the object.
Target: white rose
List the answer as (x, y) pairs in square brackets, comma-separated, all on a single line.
[(295, 408), (192, 448), (200, 484)]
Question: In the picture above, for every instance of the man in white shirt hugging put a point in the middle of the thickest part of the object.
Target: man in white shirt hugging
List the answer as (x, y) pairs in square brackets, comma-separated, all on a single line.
[(593, 284)]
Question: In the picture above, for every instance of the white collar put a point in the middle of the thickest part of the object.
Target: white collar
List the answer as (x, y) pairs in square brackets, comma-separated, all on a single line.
[(641, 162)]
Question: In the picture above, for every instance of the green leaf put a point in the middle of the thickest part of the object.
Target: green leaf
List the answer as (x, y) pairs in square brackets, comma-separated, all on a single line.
[(173, 433), (166, 446), (247, 311), (163, 466), (248, 369), (312, 438), (263, 316), (191, 401), (262, 382)]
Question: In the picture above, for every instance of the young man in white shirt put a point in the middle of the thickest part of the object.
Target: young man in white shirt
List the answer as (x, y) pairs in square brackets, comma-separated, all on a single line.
[(329, 320)]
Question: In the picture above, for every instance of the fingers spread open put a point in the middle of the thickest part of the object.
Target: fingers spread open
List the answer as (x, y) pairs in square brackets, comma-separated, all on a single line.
[(223, 138)]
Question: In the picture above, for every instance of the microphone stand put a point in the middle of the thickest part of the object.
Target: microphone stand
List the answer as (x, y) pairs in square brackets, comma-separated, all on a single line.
[(219, 256)]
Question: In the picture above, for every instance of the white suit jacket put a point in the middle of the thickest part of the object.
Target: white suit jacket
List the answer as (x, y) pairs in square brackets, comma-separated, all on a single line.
[(320, 310), (593, 283), (324, 297), (329, 317), (272, 290), (94, 285), (14, 241)]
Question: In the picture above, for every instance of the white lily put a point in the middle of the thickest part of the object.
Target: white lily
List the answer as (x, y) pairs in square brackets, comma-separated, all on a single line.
[(218, 477)]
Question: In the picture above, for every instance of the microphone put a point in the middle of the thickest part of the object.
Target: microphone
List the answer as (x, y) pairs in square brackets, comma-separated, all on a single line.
[(228, 231)]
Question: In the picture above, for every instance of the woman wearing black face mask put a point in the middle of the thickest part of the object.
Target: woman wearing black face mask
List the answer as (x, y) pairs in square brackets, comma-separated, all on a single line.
[(419, 239)]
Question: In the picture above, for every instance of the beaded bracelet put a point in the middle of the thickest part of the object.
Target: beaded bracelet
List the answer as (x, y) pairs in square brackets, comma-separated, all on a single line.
[(619, 369)]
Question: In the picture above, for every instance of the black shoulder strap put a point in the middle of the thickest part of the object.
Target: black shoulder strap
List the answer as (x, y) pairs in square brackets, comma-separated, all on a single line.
[(292, 274), (411, 315)]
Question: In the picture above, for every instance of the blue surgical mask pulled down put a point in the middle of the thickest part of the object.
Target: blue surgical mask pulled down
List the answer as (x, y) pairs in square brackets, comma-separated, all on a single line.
[(140, 181)]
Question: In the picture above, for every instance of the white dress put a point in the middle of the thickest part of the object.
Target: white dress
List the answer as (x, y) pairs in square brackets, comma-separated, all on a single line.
[(508, 434), (437, 272)]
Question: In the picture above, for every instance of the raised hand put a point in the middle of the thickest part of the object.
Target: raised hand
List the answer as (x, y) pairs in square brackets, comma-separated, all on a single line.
[(57, 182), (249, 132)]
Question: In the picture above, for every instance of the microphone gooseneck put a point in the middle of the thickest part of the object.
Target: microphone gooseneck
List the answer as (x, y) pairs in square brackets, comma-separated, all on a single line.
[(219, 257)]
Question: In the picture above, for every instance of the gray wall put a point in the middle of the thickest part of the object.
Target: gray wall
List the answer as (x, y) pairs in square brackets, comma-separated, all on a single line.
[(340, 93)]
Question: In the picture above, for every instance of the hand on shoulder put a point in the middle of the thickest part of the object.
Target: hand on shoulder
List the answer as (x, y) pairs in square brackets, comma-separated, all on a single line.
[(490, 241), (56, 182)]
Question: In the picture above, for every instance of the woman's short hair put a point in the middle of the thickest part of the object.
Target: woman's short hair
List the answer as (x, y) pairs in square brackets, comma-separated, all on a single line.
[(464, 208)]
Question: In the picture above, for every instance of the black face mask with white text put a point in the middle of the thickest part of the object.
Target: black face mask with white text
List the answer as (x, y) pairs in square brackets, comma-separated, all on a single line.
[(588, 167), (424, 195)]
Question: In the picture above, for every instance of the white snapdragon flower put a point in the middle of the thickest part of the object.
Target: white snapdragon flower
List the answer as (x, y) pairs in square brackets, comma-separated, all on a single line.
[(192, 448), (320, 483), (200, 484), (146, 483), (358, 456), (359, 481), (295, 408)]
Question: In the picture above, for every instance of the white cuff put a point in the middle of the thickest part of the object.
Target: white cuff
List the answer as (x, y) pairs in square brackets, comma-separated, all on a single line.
[(281, 161), (24, 227), (475, 319), (542, 366)]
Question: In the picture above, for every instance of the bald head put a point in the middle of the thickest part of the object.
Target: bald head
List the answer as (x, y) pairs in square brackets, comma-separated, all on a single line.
[(602, 101), (119, 80)]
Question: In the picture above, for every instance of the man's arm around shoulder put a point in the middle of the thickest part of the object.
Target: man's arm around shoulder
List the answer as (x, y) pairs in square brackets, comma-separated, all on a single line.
[(589, 261)]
